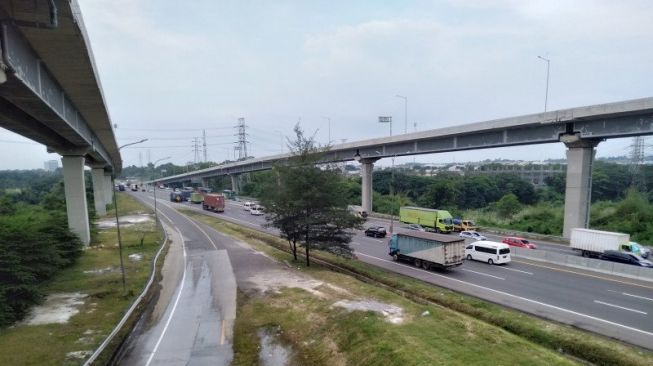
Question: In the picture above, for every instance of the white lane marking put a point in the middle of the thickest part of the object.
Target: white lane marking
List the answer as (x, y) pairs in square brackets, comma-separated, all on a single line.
[(631, 295), (516, 270), (620, 307), (174, 307), (517, 297), (481, 273), (222, 330), (637, 296)]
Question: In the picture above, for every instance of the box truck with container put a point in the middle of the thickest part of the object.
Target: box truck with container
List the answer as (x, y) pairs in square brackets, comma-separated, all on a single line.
[(427, 250)]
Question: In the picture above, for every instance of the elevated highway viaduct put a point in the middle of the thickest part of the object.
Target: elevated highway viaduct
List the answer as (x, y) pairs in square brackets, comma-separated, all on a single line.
[(50, 92), (581, 129)]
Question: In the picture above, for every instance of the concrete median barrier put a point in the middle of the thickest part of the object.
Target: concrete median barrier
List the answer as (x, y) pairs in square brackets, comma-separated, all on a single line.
[(591, 264)]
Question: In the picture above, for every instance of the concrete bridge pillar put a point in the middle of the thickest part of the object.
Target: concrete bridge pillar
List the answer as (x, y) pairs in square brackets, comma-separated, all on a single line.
[(205, 182), (108, 188), (578, 192), (99, 193), (75, 190), (235, 180), (366, 183)]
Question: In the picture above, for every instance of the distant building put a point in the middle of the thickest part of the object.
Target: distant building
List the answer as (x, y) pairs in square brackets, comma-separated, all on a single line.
[(51, 165)]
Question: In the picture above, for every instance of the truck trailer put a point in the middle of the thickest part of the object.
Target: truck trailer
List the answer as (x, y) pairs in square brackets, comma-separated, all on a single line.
[(213, 202), (427, 250), (592, 243), (439, 221)]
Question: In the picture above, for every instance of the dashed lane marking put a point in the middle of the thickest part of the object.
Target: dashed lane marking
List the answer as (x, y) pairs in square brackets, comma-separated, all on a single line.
[(620, 307), (640, 331), (482, 274)]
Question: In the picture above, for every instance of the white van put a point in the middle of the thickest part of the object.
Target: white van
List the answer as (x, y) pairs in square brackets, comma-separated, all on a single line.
[(248, 205), (488, 251)]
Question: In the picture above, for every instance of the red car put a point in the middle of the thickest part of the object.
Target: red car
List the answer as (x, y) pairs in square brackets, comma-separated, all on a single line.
[(516, 241)]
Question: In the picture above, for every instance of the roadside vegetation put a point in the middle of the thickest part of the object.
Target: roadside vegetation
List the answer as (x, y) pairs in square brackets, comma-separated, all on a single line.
[(90, 288), (308, 203), (619, 201), (321, 334)]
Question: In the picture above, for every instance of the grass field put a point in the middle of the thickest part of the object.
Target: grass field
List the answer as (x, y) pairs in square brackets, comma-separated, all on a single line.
[(463, 326), (96, 275)]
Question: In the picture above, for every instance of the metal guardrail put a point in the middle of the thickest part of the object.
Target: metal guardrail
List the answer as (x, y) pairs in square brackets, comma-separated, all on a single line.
[(596, 265), (129, 312)]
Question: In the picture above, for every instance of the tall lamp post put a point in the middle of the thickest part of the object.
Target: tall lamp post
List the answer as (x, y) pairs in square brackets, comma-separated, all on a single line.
[(388, 119), (329, 121), (156, 216), (280, 138), (405, 111), (115, 207), (548, 66)]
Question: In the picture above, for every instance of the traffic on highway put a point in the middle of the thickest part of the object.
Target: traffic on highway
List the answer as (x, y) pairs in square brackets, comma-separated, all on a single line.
[(615, 306)]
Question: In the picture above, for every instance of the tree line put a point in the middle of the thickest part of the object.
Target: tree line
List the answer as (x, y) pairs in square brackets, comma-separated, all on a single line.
[(35, 242)]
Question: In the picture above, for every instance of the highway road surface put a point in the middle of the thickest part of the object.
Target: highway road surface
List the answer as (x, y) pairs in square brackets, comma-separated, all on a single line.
[(608, 305), (203, 269)]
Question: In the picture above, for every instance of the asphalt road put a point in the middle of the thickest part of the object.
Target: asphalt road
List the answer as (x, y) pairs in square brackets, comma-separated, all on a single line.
[(195, 326), (604, 304)]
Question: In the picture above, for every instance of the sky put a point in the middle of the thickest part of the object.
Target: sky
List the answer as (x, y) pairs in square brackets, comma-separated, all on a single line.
[(171, 70)]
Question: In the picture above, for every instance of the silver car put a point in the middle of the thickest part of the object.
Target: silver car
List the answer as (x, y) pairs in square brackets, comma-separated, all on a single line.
[(471, 234)]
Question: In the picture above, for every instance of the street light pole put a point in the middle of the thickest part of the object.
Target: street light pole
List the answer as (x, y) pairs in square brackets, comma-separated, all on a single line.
[(546, 94), (405, 111), (329, 120), (156, 215), (115, 207), (392, 195), (280, 138)]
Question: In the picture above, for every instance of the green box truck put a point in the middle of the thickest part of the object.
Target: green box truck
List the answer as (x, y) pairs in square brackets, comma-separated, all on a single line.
[(439, 221)]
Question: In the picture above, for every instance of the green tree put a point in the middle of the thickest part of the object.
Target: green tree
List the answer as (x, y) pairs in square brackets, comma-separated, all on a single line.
[(307, 202), (508, 205)]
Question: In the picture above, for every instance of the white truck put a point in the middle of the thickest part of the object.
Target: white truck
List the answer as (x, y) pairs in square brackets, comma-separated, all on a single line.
[(592, 243)]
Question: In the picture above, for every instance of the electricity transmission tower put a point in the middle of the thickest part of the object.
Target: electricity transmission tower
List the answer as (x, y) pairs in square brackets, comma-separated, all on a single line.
[(242, 139), (637, 149), (204, 145), (196, 149)]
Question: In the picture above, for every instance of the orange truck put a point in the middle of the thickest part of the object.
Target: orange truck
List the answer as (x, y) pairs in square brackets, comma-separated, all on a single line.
[(213, 202), (464, 225)]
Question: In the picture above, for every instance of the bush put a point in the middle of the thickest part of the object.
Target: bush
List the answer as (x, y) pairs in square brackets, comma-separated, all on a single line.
[(34, 244)]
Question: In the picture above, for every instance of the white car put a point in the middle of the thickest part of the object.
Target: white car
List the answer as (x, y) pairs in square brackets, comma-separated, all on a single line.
[(248, 205), (471, 235), (256, 210)]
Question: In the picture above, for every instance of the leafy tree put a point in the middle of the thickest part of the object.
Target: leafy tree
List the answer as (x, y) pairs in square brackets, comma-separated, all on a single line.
[(440, 194), (308, 202), (508, 205)]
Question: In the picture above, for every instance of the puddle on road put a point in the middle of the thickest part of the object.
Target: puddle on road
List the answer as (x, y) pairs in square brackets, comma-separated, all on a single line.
[(392, 314), (57, 308), (128, 220), (272, 352)]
